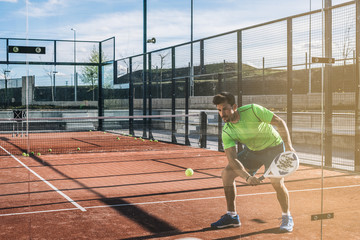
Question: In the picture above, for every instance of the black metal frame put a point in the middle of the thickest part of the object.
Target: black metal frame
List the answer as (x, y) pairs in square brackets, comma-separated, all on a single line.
[(100, 65), (289, 88)]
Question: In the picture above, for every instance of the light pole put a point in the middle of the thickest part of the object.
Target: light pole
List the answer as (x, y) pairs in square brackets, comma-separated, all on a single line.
[(75, 74)]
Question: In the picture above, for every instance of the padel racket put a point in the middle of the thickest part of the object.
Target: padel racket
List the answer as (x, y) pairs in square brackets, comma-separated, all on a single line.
[(283, 165)]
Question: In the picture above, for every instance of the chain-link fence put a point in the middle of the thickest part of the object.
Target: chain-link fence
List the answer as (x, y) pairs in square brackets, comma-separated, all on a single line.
[(269, 64)]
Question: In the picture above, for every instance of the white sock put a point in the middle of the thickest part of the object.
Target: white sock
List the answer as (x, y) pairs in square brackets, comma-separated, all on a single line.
[(286, 214), (233, 214)]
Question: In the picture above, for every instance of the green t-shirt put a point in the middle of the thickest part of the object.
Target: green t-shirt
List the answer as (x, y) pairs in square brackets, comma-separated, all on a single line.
[(253, 129)]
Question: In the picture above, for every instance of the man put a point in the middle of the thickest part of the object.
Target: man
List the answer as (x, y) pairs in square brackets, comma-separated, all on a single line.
[(252, 126)]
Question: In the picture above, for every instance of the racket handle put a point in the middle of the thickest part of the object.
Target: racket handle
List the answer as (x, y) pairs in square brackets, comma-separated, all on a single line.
[(261, 178)]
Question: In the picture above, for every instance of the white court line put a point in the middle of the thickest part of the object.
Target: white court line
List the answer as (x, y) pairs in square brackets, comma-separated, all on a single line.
[(45, 211), (49, 184), (174, 201)]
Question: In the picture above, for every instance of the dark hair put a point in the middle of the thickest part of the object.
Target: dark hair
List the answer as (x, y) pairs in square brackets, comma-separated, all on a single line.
[(224, 97)]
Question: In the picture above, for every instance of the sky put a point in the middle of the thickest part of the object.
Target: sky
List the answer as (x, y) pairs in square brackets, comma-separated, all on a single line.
[(169, 21)]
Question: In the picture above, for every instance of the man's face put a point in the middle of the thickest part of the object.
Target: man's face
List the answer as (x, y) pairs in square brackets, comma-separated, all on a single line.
[(226, 111)]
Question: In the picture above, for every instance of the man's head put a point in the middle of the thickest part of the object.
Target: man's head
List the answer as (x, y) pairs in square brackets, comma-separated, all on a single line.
[(225, 104), (224, 97)]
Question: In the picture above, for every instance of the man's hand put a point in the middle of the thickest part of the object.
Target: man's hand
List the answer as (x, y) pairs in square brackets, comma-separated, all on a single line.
[(253, 181), (289, 148)]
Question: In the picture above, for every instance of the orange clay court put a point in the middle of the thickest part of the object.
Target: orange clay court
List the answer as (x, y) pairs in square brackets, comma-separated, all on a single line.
[(139, 190)]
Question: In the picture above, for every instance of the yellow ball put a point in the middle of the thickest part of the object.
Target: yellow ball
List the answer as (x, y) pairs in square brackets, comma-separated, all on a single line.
[(189, 172)]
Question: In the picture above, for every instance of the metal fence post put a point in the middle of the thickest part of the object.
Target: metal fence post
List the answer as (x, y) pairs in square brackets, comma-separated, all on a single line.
[(239, 78), (289, 93), (220, 89), (328, 85), (203, 129), (202, 57), (149, 121), (357, 90), (101, 90), (131, 99), (187, 142), (173, 92), (144, 95)]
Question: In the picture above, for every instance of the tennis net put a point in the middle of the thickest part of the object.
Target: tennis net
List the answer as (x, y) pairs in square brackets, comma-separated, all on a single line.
[(36, 136)]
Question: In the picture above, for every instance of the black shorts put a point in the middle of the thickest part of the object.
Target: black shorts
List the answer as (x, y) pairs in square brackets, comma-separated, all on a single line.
[(253, 160)]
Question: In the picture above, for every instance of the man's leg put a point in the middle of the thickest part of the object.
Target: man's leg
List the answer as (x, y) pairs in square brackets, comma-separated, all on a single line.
[(231, 219), (228, 177), (282, 194)]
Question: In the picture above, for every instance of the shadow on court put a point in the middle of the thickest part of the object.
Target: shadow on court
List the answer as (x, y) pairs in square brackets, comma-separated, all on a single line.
[(132, 212)]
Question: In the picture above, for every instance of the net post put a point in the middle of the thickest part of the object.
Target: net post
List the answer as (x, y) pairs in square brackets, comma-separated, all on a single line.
[(23, 115), (18, 117), (203, 129), (187, 142)]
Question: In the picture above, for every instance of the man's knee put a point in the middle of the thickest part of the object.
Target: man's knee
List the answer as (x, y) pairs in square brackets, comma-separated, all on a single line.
[(226, 172), (228, 176), (278, 183)]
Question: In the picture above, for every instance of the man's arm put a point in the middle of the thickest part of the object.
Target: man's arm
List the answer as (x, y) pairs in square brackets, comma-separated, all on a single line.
[(283, 131), (238, 168)]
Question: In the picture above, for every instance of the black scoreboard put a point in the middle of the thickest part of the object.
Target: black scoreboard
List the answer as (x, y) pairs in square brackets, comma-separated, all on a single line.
[(27, 49)]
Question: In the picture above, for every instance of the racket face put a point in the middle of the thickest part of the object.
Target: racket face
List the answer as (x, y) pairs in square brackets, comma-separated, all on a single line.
[(284, 164)]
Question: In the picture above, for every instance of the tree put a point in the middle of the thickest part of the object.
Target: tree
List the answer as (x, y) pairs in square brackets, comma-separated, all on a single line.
[(50, 72), (162, 63), (90, 74), (5, 73)]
